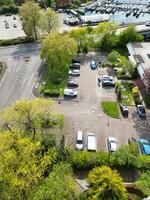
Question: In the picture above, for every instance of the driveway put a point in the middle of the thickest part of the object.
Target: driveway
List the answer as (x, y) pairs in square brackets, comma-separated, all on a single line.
[(87, 115), (22, 70)]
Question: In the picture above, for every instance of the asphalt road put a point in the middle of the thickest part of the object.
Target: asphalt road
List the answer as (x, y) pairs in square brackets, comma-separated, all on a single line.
[(23, 62)]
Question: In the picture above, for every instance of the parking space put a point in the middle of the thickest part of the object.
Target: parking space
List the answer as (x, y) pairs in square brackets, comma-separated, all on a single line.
[(86, 114), (10, 27)]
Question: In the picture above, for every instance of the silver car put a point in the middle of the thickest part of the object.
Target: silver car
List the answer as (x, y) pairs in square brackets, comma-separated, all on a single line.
[(112, 144)]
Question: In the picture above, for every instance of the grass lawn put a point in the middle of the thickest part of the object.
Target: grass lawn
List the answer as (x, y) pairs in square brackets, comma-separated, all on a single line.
[(110, 108), (126, 92), (50, 87)]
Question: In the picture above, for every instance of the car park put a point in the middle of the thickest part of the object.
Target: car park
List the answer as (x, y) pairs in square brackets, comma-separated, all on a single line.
[(72, 83), (131, 140), (70, 92), (91, 142), (79, 140), (144, 146), (93, 64), (74, 72), (141, 110), (124, 110), (15, 25), (112, 144), (75, 66)]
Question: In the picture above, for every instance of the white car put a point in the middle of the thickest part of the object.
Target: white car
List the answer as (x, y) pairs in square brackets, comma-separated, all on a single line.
[(70, 92), (79, 140), (74, 72), (91, 142), (106, 77), (112, 144), (147, 24)]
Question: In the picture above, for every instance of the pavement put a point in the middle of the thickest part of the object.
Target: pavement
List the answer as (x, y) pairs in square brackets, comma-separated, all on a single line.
[(87, 115), (23, 62)]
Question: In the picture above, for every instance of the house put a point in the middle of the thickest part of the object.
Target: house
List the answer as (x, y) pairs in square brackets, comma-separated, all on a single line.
[(139, 55)]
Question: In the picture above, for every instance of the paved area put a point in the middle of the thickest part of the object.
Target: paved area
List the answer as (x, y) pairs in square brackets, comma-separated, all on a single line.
[(22, 70), (11, 32), (87, 114)]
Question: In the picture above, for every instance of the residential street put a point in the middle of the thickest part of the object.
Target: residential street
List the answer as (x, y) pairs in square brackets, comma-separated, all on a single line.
[(22, 69)]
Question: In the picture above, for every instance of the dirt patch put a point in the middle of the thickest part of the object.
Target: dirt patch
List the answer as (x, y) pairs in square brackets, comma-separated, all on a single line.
[(3, 67)]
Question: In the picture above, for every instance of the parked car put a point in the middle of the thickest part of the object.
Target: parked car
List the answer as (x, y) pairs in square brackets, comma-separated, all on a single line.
[(75, 66), (144, 146), (70, 92), (93, 64), (74, 60), (15, 25), (107, 77), (141, 110), (14, 17), (91, 142), (72, 83), (79, 141), (74, 72), (147, 24), (131, 140), (112, 144), (108, 83), (124, 110), (6, 25)]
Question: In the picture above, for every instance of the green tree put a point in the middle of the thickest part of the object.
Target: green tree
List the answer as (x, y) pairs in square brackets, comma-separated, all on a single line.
[(59, 185), (49, 21), (31, 118), (5, 2), (144, 183), (50, 3), (129, 34), (57, 51), (105, 27), (22, 165), (105, 183), (30, 13), (113, 57)]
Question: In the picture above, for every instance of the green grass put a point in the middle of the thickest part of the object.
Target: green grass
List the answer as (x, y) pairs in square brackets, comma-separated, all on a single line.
[(126, 91), (110, 108)]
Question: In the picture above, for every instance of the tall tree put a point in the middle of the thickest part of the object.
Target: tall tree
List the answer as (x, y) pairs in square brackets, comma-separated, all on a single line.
[(30, 13), (31, 117), (57, 51), (49, 21), (59, 185), (22, 165), (105, 183)]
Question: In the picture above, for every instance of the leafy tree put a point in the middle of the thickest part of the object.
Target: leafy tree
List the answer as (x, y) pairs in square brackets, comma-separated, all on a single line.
[(127, 66), (31, 118), (144, 183), (113, 57), (49, 3), (5, 2), (80, 35), (105, 183), (105, 27), (129, 34), (59, 185), (22, 165), (57, 51), (49, 21), (30, 13)]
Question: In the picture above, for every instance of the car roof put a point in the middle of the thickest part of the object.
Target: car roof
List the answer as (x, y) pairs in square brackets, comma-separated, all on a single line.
[(91, 141), (142, 141), (113, 146), (112, 139), (146, 148)]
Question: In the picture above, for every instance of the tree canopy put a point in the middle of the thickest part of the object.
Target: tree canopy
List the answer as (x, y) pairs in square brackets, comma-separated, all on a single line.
[(105, 183)]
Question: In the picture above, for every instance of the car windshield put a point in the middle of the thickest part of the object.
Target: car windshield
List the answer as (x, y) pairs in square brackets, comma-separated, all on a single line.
[(142, 109), (79, 141)]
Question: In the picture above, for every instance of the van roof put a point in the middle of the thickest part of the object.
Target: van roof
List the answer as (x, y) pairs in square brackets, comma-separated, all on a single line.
[(91, 141), (79, 135)]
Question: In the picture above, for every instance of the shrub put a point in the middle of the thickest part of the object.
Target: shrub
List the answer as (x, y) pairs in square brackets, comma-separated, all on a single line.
[(19, 40), (135, 92), (147, 101), (51, 92), (9, 9)]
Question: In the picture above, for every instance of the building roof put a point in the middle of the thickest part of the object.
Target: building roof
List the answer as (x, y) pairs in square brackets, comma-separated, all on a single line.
[(140, 55)]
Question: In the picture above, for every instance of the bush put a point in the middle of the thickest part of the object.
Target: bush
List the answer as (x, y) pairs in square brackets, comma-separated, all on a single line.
[(19, 40), (50, 92), (135, 92), (9, 9), (147, 101)]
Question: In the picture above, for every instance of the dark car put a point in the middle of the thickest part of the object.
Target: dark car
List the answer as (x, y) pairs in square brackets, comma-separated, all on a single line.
[(72, 83), (109, 83), (74, 60), (75, 66), (131, 140), (124, 110), (141, 111)]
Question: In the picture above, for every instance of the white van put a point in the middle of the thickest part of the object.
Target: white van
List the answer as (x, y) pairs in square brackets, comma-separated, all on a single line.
[(91, 142), (79, 141)]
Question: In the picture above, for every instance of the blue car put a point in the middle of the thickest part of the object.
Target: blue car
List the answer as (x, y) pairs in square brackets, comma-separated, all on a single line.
[(93, 64), (144, 146)]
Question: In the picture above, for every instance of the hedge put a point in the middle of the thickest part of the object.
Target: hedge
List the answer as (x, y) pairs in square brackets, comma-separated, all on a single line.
[(52, 93), (19, 40), (9, 9)]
